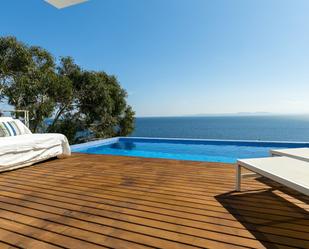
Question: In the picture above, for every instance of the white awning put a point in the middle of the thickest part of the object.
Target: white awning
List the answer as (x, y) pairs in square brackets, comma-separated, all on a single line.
[(64, 3)]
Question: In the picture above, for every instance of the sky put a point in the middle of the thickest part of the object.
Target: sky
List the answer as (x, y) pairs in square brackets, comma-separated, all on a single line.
[(181, 57)]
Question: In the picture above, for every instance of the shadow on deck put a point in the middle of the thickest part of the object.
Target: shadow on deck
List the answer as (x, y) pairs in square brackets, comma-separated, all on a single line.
[(276, 215)]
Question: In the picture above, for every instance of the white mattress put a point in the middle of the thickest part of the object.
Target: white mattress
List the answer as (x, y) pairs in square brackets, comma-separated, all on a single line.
[(25, 150), (297, 153), (288, 171)]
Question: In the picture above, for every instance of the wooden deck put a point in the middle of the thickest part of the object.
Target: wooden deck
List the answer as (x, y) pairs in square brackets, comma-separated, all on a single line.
[(96, 201)]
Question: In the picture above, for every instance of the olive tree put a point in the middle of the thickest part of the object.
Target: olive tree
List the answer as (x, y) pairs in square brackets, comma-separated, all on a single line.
[(78, 101)]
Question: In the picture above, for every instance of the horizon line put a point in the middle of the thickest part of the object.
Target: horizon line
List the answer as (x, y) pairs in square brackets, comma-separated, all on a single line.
[(223, 114)]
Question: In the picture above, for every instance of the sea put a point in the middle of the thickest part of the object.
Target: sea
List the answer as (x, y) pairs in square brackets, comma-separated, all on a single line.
[(238, 127)]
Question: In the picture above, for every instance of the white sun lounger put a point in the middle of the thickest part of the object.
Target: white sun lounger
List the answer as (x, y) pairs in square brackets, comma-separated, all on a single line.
[(288, 171), (297, 153)]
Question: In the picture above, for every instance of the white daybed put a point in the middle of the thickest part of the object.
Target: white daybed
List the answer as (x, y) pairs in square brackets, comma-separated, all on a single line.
[(26, 149), (288, 171), (297, 153)]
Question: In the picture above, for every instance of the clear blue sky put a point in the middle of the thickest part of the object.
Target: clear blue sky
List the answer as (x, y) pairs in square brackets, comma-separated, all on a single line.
[(178, 57)]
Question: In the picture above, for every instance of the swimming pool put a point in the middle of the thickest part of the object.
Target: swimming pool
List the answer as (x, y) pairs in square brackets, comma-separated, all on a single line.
[(226, 151)]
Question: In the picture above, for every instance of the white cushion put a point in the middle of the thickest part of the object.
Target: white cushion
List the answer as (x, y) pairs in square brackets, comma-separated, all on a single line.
[(20, 151)]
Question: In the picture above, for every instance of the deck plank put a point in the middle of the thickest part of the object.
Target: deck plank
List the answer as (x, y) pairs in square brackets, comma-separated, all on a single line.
[(98, 201)]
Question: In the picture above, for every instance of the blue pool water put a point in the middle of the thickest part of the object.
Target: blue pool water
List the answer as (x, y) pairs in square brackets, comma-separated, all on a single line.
[(182, 149)]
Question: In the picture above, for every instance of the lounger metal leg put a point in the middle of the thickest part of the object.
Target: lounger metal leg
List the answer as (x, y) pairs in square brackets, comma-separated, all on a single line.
[(238, 178)]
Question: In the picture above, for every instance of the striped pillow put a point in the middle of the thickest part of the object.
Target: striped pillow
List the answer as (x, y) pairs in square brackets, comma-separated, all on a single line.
[(3, 131), (9, 128)]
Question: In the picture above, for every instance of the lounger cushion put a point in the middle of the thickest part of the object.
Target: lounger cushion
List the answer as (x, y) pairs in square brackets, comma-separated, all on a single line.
[(24, 150), (288, 171), (297, 153)]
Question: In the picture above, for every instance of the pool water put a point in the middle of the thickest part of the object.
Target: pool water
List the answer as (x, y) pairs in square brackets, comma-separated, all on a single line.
[(194, 150)]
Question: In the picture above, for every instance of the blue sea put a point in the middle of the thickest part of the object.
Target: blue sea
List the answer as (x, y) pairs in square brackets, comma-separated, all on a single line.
[(266, 128)]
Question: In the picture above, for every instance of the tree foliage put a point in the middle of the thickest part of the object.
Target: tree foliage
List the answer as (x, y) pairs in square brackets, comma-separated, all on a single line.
[(78, 101)]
